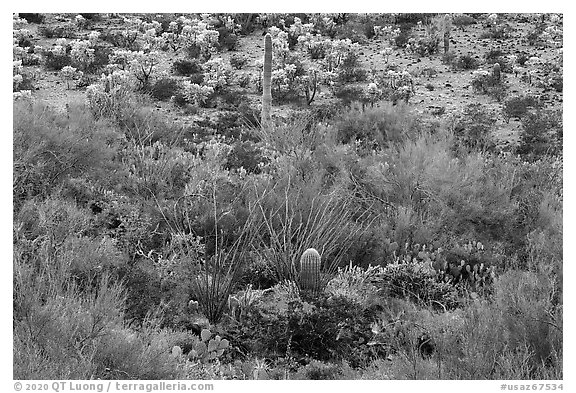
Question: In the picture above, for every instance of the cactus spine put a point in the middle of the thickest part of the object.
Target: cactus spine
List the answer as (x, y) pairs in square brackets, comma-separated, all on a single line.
[(266, 83), (447, 26), (310, 270), (496, 71)]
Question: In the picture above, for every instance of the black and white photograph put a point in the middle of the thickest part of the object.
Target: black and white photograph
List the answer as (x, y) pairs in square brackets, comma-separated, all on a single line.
[(287, 196)]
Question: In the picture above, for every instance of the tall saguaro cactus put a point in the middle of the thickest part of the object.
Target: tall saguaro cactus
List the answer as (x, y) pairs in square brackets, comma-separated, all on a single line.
[(447, 27), (266, 83), (310, 270)]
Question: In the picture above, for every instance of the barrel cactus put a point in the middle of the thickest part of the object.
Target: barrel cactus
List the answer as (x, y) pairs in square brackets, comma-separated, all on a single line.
[(496, 71), (310, 270), (267, 82)]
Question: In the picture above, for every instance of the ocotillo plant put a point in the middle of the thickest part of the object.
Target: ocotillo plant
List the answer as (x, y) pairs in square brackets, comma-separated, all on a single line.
[(310, 270), (266, 83), (496, 71), (447, 26)]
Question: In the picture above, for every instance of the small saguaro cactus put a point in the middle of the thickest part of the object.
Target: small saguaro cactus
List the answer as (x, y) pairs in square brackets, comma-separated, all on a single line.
[(310, 270), (496, 71), (447, 26), (267, 82)]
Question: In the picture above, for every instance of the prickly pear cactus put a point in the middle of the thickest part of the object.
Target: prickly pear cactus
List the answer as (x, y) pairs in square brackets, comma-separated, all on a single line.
[(267, 82), (208, 349), (310, 270)]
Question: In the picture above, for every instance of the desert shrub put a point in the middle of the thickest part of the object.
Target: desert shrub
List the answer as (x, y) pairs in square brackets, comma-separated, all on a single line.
[(353, 30), (425, 46), (498, 32), (21, 80), (316, 370), (197, 78), (538, 196), (128, 354), (57, 327), (226, 38), (88, 259), (157, 169), (494, 56), (259, 273), (411, 18), (517, 107), (474, 127), (376, 126), (237, 61), (52, 219), (487, 83), (32, 18), (522, 58), (246, 155), (50, 146), (416, 281), (402, 39), (408, 182), (164, 88), (556, 82), (247, 21), (230, 99), (350, 94), (62, 30), (100, 59), (325, 328), (534, 35), (143, 292), (462, 20), (541, 133), (355, 283), (349, 75), (516, 336), (56, 62), (349, 70), (537, 322), (448, 58), (94, 17), (465, 62), (126, 39)]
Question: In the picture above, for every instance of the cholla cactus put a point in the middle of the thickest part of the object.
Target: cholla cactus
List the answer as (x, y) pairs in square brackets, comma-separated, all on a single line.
[(81, 22), (196, 94), (386, 53), (93, 38), (22, 95), (82, 54), (493, 19), (70, 74), (310, 270), (217, 73)]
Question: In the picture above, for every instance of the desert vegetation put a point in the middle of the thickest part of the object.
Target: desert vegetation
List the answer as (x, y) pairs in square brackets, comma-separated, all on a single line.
[(378, 197)]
